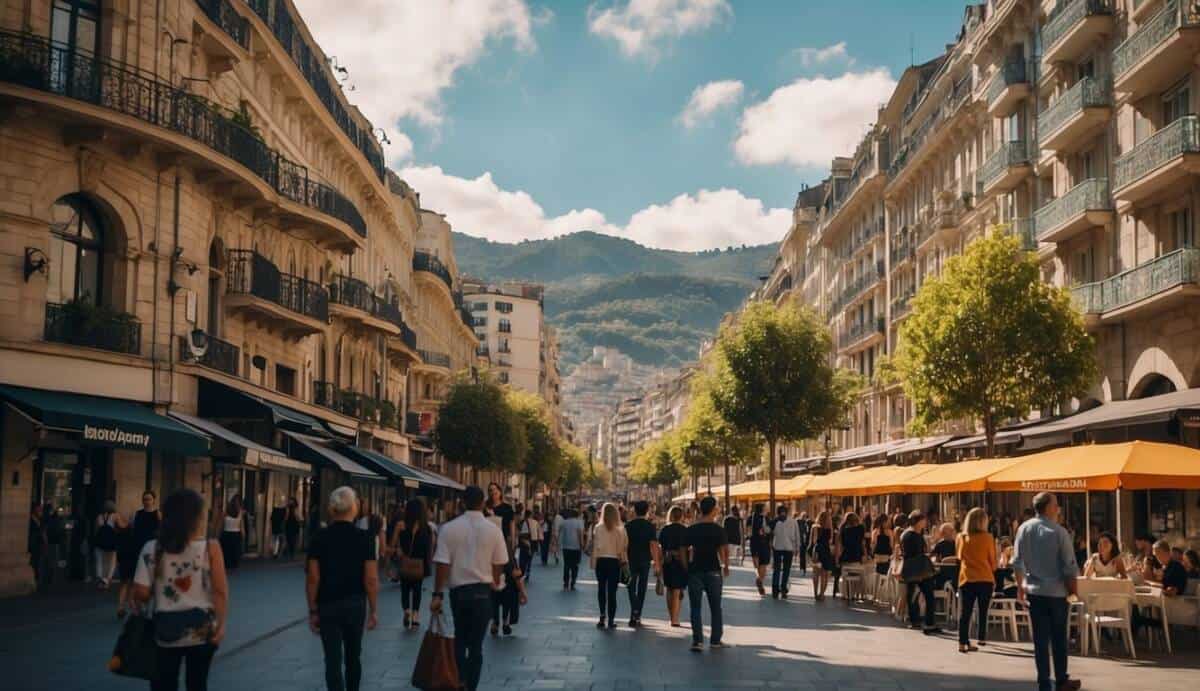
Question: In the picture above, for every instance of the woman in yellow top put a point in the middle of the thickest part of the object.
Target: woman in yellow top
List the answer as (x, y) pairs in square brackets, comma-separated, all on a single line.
[(976, 549)]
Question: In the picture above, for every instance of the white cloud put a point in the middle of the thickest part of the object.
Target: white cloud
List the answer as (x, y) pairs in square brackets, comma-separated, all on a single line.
[(707, 219), (708, 99), (810, 121), (401, 56), (810, 57), (639, 25)]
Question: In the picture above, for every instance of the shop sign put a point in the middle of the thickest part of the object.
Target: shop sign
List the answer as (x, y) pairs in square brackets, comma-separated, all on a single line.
[(1189, 418), (1054, 485), (115, 436)]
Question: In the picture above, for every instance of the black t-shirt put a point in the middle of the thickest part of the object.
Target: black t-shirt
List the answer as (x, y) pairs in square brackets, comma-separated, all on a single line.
[(944, 549), (706, 540), (341, 549), (853, 537), (641, 534), (505, 512), (733, 530), (672, 537), (912, 544), (1175, 576)]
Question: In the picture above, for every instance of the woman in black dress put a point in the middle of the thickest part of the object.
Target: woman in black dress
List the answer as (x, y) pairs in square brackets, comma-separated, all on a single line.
[(881, 543), (822, 539), (142, 529), (414, 542), (672, 540), (760, 546)]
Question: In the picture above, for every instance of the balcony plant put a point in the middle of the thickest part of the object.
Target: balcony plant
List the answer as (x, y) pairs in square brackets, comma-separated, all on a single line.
[(81, 322)]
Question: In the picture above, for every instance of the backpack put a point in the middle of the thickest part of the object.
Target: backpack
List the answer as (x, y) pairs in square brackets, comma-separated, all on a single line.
[(106, 537)]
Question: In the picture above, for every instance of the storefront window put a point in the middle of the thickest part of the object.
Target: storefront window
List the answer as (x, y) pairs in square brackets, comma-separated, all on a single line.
[(1166, 516)]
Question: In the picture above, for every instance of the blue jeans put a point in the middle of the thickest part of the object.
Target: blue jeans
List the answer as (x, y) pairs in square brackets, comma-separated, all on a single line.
[(782, 573), (639, 576), (1048, 616), (699, 585), (471, 606)]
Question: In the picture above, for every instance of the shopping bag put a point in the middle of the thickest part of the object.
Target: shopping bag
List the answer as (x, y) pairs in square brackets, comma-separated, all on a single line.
[(436, 668), (626, 575), (136, 652), (658, 586)]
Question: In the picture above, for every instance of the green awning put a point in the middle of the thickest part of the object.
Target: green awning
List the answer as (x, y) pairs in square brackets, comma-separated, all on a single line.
[(316, 450), (106, 421)]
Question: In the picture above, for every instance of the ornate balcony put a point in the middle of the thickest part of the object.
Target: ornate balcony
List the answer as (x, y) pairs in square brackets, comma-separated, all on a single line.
[(901, 306), (1011, 83), (862, 334), (81, 323), (296, 306), (353, 300), (403, 348), (1074, 27), (1146, 289), (1079, 113), (231, 39), (32, 62), (1007, 166), (902, 250), (219, 355), (435, 359), (1086, 205), (1159, 163), (428, 263), (1159, 53)]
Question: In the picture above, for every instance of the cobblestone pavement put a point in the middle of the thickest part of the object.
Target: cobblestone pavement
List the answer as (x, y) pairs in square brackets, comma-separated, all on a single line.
[(793, 644)]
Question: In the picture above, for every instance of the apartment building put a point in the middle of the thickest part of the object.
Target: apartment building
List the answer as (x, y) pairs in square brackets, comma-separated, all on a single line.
[(211, 278), (1068, 123)]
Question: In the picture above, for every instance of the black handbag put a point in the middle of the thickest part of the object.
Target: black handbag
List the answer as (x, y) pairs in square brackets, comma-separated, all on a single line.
[(916, 569), (136, 652), (626, 575)]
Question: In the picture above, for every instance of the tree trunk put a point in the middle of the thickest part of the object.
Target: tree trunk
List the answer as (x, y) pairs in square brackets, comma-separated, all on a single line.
[(989, 430), (771, 476), (708, 476), (727, 484)]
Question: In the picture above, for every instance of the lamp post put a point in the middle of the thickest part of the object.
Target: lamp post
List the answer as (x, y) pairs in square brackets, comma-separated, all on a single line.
[(689, 456)]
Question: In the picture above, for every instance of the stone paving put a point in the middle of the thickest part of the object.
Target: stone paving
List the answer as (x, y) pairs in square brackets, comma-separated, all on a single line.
[(793, 644)]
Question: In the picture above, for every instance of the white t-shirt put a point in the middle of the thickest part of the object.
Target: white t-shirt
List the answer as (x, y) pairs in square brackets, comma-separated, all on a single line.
[(233, 524), (183, 585), (471, 544)]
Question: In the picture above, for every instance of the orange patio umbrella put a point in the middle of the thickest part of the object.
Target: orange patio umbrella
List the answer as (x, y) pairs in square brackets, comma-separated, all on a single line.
[(1102, 468)]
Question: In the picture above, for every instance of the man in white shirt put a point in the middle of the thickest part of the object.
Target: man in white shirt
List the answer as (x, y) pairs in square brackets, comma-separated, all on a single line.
[(785, 544), (470, 557)]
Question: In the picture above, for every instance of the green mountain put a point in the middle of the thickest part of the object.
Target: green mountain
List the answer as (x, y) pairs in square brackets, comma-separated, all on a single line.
[(654, 305)]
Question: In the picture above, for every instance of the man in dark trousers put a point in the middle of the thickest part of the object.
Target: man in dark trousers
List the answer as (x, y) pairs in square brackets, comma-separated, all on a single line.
[(643, 553), (708, 566)]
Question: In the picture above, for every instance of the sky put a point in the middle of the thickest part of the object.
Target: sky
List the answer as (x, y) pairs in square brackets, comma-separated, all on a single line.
[(680, 124)]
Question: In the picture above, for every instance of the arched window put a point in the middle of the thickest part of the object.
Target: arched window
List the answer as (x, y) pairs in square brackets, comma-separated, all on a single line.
[(76, 251), (1154, 385), (75, 24)]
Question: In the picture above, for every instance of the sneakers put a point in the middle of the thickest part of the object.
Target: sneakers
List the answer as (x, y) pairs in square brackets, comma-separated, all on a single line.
[(697, 648), (717, 645), (507, 630)]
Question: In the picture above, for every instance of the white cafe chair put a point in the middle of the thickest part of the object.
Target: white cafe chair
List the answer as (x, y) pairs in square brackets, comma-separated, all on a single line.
[(1007, 613), (1111, 611)]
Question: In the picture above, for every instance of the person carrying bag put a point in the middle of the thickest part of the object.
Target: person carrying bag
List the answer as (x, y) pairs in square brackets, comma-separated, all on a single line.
[(917, 571), (436, 668)]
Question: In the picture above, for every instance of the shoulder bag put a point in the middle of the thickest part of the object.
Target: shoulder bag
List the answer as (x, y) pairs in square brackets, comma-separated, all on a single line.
[(916, 568), (136, 653)]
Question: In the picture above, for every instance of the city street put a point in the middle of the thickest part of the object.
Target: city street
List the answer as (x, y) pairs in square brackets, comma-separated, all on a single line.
[(794, 644)]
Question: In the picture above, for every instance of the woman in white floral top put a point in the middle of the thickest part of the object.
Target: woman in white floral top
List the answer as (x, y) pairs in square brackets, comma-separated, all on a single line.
[(184, 574)]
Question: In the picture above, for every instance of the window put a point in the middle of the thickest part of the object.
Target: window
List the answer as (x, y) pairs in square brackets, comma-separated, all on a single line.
[(504, 307), (1086, 68), (75, 24), (505, 326), (1179, 224), (479, 306), (1082, 265), (479, 321), (76, 250), (285, 380), (504, 377), (1176, 103)]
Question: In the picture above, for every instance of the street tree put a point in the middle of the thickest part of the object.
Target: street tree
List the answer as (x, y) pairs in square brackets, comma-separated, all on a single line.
[(711, 437), (779, 382), (544, 459), (989, 340), (477, 427)]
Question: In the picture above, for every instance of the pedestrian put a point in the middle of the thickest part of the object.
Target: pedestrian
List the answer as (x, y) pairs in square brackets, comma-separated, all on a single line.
[(610, 548), (917, 573), (547, 522), (414, 543), (881, 543), (526, 532), (277, 519), (104, 541), (1044, 565), (760, 546), (291, 528), (708, 563), (507, 598), (643, 554), (571, 538), (184, 573), (850, 545), (233, 524), (733, 531), (805, 526), (821, 537), (342, 587), (469, 558), (536, 534), (142, 528), (502, 509), (672, 541), (785, 543), (976, 551), (395, 525), (38, 547)]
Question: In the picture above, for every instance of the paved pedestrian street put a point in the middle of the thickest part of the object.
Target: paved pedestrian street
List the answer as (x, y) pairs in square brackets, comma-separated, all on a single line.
[(793, 644)]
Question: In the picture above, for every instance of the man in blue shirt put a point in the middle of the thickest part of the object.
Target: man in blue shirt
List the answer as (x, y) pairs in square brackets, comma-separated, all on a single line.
[(1044, 565)]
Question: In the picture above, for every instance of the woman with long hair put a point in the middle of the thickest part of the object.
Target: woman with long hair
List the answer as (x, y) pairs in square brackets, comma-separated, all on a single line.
[(823, 563), (672, 540), (976, 551), (881, 543), (142, 528), (184, 573), (610, 548), (1107, 561), (760, 546), (414, 543), (504, 511), (232, 524)]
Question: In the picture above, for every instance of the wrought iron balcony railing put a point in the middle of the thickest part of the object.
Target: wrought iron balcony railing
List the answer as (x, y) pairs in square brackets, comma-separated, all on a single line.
[(860, 330), (408, 336), (34, 62), (435, 358), (902, 305), (80, 323), (1145, 280), (1173, 16), (352, 292), (219, 355), (1178, 138), (1089, 92), (1067, 15), (424, 261), (223, 15), (1009, 154), (1025, 230), (1011, 73), (251, 273), (1089, 195)]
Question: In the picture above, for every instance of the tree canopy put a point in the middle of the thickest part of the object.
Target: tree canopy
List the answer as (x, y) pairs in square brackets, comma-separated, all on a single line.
[(544, 456), (989, 340), (711, 437), (478, 428)]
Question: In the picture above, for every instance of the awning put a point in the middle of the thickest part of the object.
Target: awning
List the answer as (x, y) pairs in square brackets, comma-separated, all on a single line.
[(754, 489), (832, 482), (798, 464), (794, 488), (252, 452), (316, 450), (284, 415), (439, 480), (106, 421), (405, 473), (1103, 467), (963, 476), (918, 444), (861, 453), (864, 482)]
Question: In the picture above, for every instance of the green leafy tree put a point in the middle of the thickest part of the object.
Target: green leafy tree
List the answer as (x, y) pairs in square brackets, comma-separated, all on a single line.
[(544, 459), (779, 383), (989, 340), (654, 463), (477, 427), (711, 437), (575, 468)]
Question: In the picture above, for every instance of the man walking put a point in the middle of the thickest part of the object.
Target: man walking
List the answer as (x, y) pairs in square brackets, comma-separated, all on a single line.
[(1045, 568), (643, 552), (342, 585), (470, 556), (785, 543), (707, 563), (804, 525), (570, 541)]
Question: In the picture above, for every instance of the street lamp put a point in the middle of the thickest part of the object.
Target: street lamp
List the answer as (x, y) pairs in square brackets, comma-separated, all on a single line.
[(689, 456)]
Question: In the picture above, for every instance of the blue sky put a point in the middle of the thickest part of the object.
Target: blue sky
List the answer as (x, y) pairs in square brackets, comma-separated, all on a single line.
[(530, 119)]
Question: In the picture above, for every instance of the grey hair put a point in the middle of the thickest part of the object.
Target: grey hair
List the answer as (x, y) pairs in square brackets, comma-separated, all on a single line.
[(1042, 500), (1162, 546), (341, 501)]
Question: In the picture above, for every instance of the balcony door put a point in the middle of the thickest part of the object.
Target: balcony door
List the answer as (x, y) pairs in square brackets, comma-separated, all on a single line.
[(75, 248), (75, 25)]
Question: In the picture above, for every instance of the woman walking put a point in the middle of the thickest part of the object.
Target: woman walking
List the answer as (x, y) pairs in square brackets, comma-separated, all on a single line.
[(232, 524), (760, 546), (881, 543), (142, 529), (976, 551), (610, 547), (105, 539), (527, 531), (917, 573), (822, 538), (414, 552), (184, 573), (291, 528), (672, 540)]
